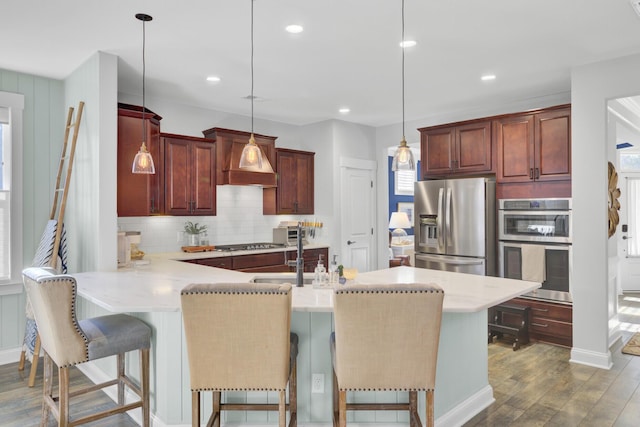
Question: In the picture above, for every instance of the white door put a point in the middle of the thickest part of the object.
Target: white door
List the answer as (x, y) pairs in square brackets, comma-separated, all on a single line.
[(358, 215), (629, 246)]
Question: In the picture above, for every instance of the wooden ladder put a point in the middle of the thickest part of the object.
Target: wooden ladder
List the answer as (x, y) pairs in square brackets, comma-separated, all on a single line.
[(63, 180)]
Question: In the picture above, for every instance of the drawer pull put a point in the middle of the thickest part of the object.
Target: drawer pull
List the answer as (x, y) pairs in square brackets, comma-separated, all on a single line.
[(544, 310), (539, 325)]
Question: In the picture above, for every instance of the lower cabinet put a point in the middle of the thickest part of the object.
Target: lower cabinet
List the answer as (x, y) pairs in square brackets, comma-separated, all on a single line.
[(271, 262), (549, 321)]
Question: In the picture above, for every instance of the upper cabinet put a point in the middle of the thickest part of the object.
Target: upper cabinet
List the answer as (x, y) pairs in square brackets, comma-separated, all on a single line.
[(138, 194), (295, 191), (190, 178), (534, 147), (457, 149), (229, 145)]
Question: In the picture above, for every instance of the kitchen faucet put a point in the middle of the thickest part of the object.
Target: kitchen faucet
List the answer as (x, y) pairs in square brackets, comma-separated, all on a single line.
[(299, 262)]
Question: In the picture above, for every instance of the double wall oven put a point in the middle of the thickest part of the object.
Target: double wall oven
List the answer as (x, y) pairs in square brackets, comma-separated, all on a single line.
[(534, 243)]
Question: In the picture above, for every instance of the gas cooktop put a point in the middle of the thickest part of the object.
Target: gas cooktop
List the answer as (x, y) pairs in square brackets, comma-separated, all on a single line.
[(248, 246)]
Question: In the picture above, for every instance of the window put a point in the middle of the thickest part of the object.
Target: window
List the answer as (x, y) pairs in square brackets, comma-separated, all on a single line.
[(11, 106), (404, 182)]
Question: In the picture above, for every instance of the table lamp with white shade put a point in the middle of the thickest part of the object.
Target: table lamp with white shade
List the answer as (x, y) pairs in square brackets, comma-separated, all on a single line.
[(398, 222)]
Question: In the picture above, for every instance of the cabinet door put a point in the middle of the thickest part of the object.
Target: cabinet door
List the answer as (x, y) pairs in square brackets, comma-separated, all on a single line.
[(473, 148), (514, 141), (295, 191), (437, 148), (553, 145), (287, 190), (138, 194), (305, 178), (203, 189), (177, 177)]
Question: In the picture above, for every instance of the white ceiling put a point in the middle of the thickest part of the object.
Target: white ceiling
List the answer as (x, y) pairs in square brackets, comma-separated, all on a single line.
[(348, 54)]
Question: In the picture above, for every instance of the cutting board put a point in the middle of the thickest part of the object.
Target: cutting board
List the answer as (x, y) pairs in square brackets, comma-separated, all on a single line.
[(198, 248)]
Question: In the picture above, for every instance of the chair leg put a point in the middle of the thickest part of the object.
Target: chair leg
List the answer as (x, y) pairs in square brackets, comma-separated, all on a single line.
[(430, 421), (414, 418), (217, 396), (293, 395), (34, 362), (282, 408), (144, 385), (120, 376), (47, 390), (23, 357), (342, 408), (195, 409), (335, 399), (63, 390)]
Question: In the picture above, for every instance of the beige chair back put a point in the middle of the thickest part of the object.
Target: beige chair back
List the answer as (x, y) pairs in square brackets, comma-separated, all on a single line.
[(53, 298), (233, 331), (387, 336)]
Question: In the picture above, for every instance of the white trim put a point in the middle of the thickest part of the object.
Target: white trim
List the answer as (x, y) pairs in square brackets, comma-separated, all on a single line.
[(10, 356), (15, 103), (350, 162), (468, 409), (591, 358)]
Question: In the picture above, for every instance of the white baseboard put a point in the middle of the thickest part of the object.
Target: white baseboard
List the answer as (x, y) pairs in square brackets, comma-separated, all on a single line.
[(11, 355), (591, 358), (466, 410)]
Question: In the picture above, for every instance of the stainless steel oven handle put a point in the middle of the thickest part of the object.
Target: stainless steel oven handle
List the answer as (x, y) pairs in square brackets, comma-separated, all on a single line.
[(449, 260)]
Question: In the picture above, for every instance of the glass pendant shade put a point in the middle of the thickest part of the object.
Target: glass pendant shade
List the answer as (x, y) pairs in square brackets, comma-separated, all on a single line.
[(251, 156), (143, 162), (403, 158)]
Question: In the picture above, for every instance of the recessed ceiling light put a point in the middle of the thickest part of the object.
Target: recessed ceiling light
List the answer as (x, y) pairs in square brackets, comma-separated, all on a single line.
[(344, 110), (294, 28), (408, 43), (488, 77), (213, 79)]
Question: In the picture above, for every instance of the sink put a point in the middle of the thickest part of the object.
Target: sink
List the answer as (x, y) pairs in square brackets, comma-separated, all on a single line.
[(281, 278)]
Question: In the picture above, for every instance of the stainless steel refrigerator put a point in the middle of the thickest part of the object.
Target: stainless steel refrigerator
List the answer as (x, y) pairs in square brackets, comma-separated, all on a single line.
[(455, 225)]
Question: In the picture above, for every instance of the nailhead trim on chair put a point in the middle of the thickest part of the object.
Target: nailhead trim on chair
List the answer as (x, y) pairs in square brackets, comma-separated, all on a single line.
[(382, 291), (387, 389), (234, 292), (74, 318), (239, 389)]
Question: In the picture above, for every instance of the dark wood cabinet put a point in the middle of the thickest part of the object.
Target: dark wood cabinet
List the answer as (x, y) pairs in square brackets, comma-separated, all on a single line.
[(534, 147), (219, 262), (295, 191), (264, 262), (311, 257), (457, 149), (549, 321), (138, 194), (189, 170)]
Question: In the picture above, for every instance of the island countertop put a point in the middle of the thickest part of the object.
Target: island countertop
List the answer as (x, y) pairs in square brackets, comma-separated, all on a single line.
[(156, 286)]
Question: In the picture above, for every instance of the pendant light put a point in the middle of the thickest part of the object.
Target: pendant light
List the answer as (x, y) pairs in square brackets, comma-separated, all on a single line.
[(251, 156), (403, 158), (143, 162)]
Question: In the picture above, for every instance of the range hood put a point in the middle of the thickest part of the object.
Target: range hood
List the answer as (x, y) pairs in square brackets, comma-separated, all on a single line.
[(229, 145)]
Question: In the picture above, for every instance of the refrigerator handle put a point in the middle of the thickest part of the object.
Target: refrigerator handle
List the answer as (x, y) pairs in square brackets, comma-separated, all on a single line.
[(448, 217), (439, 227)]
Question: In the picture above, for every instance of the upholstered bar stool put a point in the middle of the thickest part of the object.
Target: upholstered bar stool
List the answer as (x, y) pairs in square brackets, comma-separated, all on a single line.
[(239, 338), (386, 339), (68, 342)]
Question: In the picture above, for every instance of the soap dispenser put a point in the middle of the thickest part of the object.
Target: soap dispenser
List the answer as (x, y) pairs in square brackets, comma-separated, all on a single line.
[(320, 274), (333, 271)]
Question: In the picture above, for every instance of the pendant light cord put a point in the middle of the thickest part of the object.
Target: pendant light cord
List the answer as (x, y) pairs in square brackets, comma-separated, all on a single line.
[(252, 66), (403, 47), (144, 122)]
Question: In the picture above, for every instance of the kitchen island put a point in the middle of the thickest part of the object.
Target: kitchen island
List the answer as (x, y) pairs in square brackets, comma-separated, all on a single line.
[(152, 293)]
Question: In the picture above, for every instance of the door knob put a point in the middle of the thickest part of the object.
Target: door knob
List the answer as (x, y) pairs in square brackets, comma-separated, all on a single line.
[(350, 242), (626, 237)]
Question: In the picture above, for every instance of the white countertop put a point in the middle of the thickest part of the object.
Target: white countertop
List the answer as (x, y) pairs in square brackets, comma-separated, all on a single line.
[(156, 286)]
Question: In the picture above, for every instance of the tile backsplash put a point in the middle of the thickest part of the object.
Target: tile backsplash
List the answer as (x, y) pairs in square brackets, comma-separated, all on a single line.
[(239, 219)]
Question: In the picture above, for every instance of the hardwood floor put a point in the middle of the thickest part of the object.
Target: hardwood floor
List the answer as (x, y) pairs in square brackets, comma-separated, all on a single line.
[(534, 386), (20, 405), (538, 386)]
